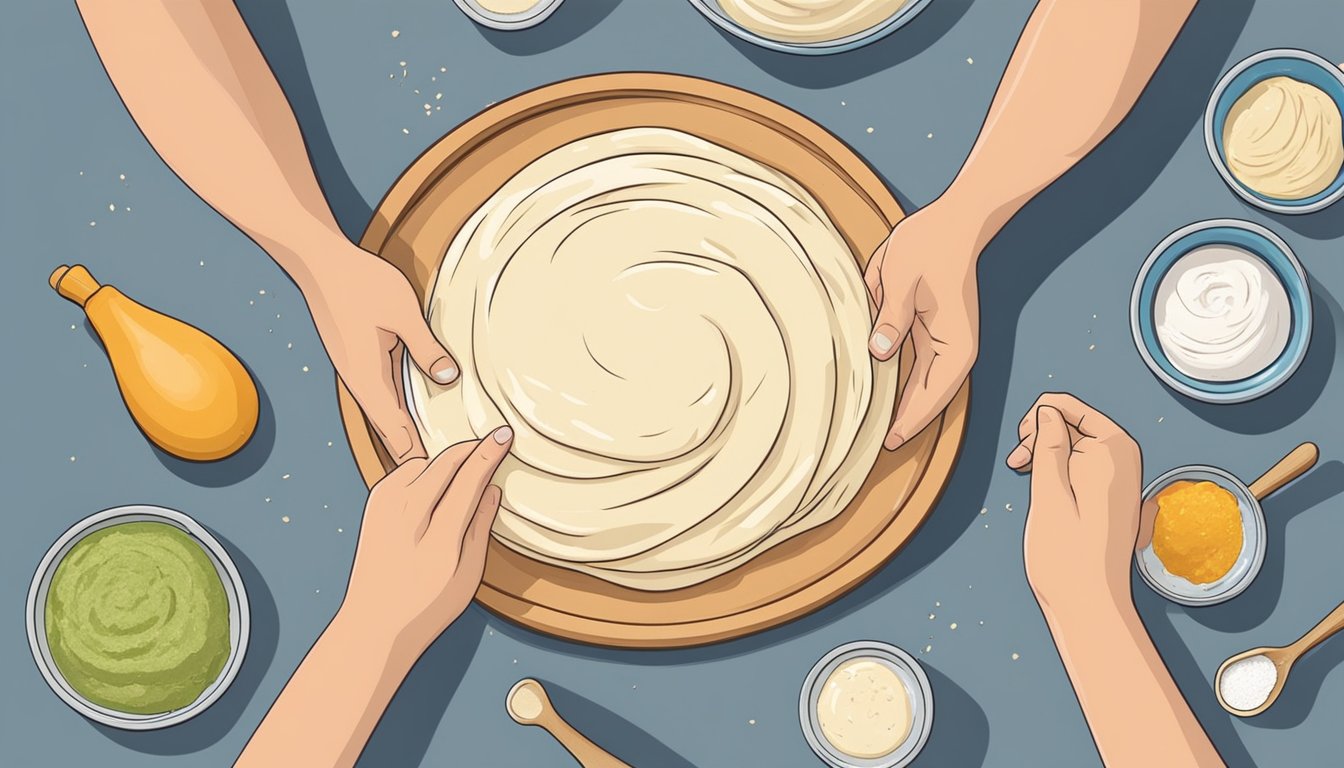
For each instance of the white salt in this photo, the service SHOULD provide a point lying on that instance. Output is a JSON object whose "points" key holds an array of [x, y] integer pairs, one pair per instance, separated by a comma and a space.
{"points": [[1246, 684]]}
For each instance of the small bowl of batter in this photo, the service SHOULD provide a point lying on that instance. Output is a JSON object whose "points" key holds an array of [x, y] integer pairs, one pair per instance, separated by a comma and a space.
{"points": [[1274, 131], [823, 26], [1221, 311], [866, 704], [508, 14]]}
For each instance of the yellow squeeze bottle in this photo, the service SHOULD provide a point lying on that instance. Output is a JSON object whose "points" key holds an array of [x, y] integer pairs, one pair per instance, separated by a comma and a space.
{"points": [[188, 393]]}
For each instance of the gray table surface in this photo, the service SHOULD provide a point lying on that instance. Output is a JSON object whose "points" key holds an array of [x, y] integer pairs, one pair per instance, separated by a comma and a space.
{"points": [[1055, 294]]}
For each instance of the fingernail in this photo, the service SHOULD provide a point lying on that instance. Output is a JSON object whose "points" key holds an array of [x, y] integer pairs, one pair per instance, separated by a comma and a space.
{"points": [[502, 435], [400, 442], [893, 442], [443, 371], [1018, 456], [883, 339], [1045, 414]]}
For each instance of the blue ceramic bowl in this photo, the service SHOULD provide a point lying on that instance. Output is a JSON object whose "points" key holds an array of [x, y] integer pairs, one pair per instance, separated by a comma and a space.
{"points": [[1289, 62], [714, 12], [1249, 237]]}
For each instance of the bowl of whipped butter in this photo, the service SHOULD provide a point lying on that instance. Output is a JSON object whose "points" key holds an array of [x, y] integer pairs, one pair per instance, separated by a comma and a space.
{"points": [[866, 704], [811, 28], [1275, 132], [1221, 311]]}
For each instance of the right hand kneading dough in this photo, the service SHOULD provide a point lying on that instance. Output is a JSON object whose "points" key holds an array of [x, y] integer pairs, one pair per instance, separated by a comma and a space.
{"points": [[678, 336]]}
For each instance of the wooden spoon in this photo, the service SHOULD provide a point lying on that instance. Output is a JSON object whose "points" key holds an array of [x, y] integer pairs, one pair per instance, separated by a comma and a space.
{"points": [[1298, 460], [528, 704], [1283, 659]]}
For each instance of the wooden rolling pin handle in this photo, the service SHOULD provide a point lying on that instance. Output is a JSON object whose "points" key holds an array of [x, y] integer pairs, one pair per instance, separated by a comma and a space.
{"points": [[74, 283], [1289, 468], [581, 747]]}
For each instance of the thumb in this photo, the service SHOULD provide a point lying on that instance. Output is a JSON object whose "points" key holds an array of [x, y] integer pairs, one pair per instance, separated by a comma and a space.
{"points": [[1050, 460], [892, 324], [429, 355]]}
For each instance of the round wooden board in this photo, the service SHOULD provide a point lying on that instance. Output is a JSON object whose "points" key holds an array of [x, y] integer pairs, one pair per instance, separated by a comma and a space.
{"points": [[425, 208]]}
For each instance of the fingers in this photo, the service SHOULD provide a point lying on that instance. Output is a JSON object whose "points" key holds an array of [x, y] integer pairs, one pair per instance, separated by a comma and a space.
{"points": [[477, 538], [1083, 421], [1050, 466], [940, 368], [380, 397], [426, 351], [463, 494]]}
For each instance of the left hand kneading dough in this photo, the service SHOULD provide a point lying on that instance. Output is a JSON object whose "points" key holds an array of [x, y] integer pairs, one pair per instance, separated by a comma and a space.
{"points": [[678, 336]]}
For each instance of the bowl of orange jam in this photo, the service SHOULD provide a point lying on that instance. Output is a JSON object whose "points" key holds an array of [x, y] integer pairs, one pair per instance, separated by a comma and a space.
{"points": [[1208, 536]]}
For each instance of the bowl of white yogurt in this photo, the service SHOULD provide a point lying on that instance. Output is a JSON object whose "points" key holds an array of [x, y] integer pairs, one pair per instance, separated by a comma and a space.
{"points": [[816, 28], [1221, 311], [1274, 129]]}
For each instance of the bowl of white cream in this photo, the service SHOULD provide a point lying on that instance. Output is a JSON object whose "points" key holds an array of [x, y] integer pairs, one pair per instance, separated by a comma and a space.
{"points": [[1274, 129], [811, 28], [866, 704], [1221, 311]]}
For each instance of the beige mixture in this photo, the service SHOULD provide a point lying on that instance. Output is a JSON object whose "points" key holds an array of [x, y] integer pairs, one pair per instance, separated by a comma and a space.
{"points": [[864, 709], [507, 6], [809, 21], [1283, 139], [678, 337]]}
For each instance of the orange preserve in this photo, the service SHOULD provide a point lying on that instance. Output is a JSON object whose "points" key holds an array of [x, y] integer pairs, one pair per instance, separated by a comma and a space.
{"points": [[1197, 533]]}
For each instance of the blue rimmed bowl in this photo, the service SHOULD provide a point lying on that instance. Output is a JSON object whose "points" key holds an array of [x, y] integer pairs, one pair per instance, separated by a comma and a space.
{"points": [[1303, 66], [899, 18], [1255, 240]]}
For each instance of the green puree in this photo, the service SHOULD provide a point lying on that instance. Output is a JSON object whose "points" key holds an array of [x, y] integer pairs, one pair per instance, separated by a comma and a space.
{"points": [[137, 619]]}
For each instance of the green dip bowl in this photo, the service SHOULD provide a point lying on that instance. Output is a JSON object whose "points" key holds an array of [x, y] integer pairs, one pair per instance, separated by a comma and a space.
{"points": [[170, 582]]}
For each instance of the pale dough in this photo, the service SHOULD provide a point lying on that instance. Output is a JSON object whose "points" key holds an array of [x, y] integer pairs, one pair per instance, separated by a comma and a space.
{"points": [[678, 336], [864, 709], [1283, 139], [809, 21]]}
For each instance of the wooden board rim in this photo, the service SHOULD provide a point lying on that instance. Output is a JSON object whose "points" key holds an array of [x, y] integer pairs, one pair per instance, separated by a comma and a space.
{"points": [[439, 159]]}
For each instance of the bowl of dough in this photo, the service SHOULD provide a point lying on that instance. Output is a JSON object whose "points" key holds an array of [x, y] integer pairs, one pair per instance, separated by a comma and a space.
{"points": [[1273, 131], [812, 28]]}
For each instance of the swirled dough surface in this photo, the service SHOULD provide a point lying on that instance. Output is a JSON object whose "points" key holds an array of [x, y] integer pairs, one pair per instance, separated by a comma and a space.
{"points": [[1283, 139], [678, 336], [809, 21]]}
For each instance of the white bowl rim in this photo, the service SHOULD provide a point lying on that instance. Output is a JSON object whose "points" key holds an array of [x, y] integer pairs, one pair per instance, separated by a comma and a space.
{"points": [[130, 721], [1257, 558], [508, 21], [887, 652], [1211, 142]]}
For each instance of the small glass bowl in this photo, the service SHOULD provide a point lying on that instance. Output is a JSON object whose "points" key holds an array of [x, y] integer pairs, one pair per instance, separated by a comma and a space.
{"points": [[240, 621], [508, 21], [1242, 572], [912, 677]]}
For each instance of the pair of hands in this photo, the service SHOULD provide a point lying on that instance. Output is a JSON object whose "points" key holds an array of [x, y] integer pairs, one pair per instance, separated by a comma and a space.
{"points": [[922, 279]]}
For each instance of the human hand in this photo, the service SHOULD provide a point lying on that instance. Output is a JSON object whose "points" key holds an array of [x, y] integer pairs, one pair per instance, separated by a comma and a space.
{"points": [[923, 280], [422, 544], [365, 311], [1085, 501]]}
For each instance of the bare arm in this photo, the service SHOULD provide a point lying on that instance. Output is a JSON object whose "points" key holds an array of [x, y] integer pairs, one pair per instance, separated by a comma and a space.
{"points": [[199, 89], [1078, 68], [1081, 532]]}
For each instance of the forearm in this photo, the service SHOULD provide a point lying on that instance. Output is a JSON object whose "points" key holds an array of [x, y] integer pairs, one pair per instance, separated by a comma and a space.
{"points": [[199, 89], [332, 703], [1076, 71], [1134, 709]]}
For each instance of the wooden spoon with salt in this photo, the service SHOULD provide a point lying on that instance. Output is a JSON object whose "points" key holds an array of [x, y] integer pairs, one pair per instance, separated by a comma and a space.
{"points": [[528, 704], [1283, 659]]}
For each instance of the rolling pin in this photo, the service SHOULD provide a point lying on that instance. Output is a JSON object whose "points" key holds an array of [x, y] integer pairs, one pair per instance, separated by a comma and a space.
{"points": [[187, 392]]}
